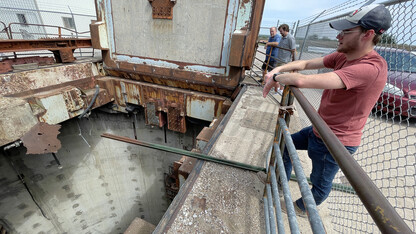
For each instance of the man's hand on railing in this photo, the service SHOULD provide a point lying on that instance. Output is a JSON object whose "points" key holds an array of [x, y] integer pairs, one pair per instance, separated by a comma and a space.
{"points": [[271, 81]]}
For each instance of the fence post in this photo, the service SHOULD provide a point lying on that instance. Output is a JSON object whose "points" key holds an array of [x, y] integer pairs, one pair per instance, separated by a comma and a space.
{"points": [[295, 28], [40, 19], [306, 35]]}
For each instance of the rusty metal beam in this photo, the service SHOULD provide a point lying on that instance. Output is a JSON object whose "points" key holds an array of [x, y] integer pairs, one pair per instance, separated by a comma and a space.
{"points": [[6, 65], [44, 44], [220, 85], [165, 104], [251, 40]]}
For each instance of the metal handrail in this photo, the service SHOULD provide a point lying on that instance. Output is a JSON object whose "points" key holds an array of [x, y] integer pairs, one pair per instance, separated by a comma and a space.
{"points": [[307, 197], [5, 29], [45, 25], [283, 138], [271, 193], [383, 214]]}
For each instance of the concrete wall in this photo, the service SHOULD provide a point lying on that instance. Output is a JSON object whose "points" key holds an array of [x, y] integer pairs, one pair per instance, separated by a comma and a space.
{"points": [[194, 35], [103, 185]]}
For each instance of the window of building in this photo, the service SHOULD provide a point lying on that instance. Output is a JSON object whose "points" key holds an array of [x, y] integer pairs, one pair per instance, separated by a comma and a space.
{"points": [[22, 18], [68, 22]]}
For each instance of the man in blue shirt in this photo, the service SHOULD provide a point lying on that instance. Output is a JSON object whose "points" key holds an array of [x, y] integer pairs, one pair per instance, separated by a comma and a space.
{"points": [[274, 40]]}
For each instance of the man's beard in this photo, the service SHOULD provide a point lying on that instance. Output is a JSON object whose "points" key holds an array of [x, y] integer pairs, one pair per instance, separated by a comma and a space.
{"points": [[348, 47]]}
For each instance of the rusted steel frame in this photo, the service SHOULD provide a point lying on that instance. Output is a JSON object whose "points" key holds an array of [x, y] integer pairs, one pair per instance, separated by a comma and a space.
{"points": [[382, 212], [43, 25], [221, 84], [182, 82], [254, 29], [145, 67], [7, 64], [170, 215], [85, 83], [43, 44]]}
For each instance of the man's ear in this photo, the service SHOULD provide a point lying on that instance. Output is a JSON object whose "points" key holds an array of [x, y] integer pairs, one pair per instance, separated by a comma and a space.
{"points": [[369, 34]]}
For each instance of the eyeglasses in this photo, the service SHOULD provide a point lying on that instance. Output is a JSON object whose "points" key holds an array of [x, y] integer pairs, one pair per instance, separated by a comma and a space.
{"points": [[342, 33]]}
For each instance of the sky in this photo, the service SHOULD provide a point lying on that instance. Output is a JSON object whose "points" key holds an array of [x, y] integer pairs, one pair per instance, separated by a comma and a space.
{"points": [[289, 12], [292, 11]]}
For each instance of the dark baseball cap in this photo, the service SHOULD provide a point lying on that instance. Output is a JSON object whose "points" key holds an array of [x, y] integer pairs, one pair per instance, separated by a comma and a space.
{"points": [[374, 16]]}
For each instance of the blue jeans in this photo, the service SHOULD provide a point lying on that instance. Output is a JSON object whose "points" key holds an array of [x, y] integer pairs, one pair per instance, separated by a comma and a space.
{"points": [[324, 167]]}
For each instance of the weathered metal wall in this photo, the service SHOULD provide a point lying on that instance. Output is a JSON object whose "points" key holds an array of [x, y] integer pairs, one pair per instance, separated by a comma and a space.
{"points": [[203, 46], [196, 27]]}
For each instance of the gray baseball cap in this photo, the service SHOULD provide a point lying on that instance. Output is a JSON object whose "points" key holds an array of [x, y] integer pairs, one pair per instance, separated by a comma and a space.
{"points": [[374, 16]]}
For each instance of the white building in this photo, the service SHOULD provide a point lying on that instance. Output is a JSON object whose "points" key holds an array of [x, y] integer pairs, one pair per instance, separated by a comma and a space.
{"points": [[73, 17]]}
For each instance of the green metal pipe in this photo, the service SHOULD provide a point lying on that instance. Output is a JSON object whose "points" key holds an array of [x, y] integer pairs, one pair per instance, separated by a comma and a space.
{"points": [[184, 152]]}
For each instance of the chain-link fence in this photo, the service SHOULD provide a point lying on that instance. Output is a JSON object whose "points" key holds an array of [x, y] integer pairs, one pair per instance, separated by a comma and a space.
{"points": [[387, 151], [31, 20]]}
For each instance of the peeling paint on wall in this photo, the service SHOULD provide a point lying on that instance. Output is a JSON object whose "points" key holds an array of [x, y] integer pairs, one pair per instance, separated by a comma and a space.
{"points": [[153, 62], [110, 26], [228, 31], [205, 69], [244, 14], [161, 63]]}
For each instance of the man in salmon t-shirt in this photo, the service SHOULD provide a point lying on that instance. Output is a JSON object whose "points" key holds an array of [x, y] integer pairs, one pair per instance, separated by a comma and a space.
{"points": [[350, 92]]}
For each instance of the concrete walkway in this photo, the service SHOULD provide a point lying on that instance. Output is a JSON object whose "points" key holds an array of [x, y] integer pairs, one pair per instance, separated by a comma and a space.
{"points": [[226, 199]]}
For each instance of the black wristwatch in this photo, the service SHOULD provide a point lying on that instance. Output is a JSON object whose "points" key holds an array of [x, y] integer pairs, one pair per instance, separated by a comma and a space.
{"points": [[274, 76]]}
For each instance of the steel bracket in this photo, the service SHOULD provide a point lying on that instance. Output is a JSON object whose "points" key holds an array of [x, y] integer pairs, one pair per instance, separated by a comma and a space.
{"points": [[286, 110]]}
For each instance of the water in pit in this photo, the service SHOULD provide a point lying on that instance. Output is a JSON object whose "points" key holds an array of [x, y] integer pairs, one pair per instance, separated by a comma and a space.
{"points": [[103, 184]]}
